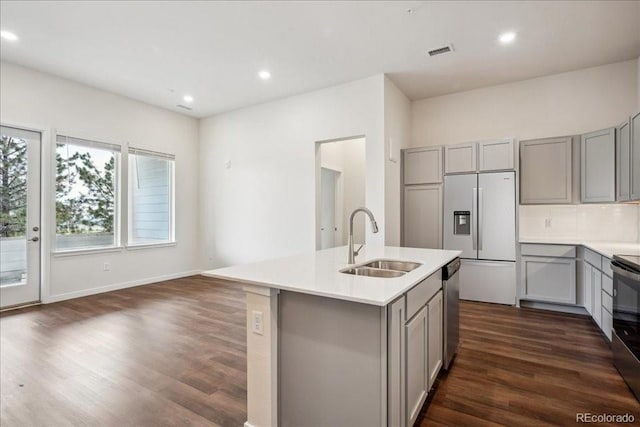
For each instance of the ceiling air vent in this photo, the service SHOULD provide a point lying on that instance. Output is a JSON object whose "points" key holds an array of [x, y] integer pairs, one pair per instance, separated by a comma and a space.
{"points": [[441, 50], [184, 107]]}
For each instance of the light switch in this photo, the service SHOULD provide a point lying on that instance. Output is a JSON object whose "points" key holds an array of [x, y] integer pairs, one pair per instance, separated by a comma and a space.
{"points": [[257, 326]]}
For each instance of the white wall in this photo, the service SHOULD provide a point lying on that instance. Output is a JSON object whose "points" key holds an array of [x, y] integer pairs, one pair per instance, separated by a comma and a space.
{"points": [[264, 205], [397, 130], [561, 104], [597, 222], [349, 158], [45, 102]]}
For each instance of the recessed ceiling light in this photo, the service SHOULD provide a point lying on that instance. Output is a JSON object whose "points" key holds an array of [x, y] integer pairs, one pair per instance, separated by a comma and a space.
{"points": [[8, 35], [508, 37], [188, 98], [264, 75]]}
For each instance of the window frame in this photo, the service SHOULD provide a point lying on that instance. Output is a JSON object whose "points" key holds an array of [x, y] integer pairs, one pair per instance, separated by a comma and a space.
{"points": [[84, 141], [129, 199]]}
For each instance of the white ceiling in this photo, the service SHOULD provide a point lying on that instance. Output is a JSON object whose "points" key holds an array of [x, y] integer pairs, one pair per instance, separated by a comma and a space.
{"points": [[157, 52]]}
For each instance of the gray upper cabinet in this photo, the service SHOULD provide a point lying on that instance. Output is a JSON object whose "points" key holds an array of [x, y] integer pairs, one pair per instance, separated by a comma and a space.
{"points": [[623, 163], [598, 166], [422, 216], [635, 157], [546, 171], [460, 158], [496, 155], [422, 165]]}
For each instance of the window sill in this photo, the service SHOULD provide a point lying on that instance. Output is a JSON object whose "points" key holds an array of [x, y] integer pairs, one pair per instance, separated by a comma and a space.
{"points": [[151, 246], [76, 252]]}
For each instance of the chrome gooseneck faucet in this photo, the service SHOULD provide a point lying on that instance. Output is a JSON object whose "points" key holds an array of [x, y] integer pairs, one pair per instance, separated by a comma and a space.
{"points": [[374, 227]]}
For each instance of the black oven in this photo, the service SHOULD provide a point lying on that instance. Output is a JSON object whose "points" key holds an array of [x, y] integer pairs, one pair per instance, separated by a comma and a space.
{"points": [[626, 319]]}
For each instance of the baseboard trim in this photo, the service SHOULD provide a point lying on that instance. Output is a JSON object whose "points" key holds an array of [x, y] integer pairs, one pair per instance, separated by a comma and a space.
{"points": [[117, 286], [554, 307], [248, 424]]}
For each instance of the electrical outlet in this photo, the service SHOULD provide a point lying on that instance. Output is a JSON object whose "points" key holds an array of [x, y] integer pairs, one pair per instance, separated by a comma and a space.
{"points": [[547, 223], [107, 266], [257, 326]]}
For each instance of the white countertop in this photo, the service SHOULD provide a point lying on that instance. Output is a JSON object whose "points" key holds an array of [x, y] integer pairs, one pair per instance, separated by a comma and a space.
{"points": [[317, 273], [607, 249]]}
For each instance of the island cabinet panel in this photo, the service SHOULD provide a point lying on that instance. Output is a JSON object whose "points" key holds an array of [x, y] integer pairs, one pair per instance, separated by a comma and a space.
{"points": [[417, 375], [435, 336], [396, 316], [332, 367]]}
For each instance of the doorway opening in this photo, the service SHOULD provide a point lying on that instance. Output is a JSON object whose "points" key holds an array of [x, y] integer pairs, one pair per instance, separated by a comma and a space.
{"points": [[340, 188]]}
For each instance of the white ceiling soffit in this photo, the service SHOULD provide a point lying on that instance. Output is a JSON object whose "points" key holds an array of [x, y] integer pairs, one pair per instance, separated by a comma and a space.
{"points": [[158, 52]]}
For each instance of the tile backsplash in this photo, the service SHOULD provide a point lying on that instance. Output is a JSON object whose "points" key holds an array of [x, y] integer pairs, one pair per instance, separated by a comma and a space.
{"points": [[619, 222]]}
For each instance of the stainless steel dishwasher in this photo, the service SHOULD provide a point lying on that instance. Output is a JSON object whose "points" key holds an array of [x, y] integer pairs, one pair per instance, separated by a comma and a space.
{"points": [[451, 291]]}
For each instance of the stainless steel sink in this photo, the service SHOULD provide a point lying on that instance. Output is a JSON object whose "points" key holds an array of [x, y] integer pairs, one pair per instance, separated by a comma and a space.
{"points": [[387, 264], [373, 272]]}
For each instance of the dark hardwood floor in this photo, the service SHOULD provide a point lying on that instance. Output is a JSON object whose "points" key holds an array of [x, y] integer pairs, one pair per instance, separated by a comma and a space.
{"points": [[174, 353]]}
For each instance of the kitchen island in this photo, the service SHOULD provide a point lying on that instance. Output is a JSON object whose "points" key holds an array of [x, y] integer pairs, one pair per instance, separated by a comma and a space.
{"points": [[329, 348]]}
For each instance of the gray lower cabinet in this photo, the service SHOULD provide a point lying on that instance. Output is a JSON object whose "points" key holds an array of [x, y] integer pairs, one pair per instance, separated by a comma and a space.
{"points": [[598, 166], [436, 339], [598, 290], [546, 171], [415, 350], [422, 216], [588, 280], [422, 165], [623, 162], [549, 279], [635, 157], [417, 376]]}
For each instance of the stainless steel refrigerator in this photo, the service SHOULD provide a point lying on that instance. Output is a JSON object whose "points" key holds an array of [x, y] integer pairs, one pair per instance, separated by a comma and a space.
{"points": [[480, 221]]}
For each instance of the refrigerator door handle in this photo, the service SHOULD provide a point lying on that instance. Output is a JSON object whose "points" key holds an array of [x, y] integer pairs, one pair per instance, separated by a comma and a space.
{"points": [[480, 218], [474, 203]]}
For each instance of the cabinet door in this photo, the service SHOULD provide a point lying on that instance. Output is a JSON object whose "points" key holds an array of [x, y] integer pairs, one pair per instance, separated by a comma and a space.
{"points": [[495, 155], [416, 375], [607, 323], [546, 171], [635, 157], [598, 166], [396, 362], [597, 296], [549, 279], [623, 161], [460, 158], [435, 341], [588, 287], [422, 217], [423, 165]]}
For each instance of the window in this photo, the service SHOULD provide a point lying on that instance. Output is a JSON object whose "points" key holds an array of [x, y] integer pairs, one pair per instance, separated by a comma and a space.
{"points": [[86, 194], [150, 197]]}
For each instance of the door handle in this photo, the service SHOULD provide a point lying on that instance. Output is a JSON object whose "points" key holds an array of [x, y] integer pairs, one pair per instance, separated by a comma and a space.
{"points": [[35, 239], [474, 201], [480, 218]]}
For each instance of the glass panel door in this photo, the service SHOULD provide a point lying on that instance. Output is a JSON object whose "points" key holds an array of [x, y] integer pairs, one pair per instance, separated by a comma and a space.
{"points": [[19, 216]]}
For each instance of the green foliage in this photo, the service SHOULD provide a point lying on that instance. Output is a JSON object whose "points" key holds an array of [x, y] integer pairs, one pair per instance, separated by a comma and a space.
{"points": [[93, 208], [88, 210], [13, 186]]}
